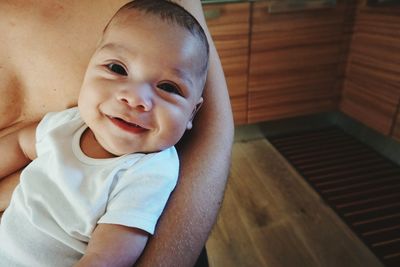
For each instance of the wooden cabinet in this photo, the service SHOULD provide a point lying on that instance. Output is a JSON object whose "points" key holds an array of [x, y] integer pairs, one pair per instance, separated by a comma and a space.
{"points": [[296, 60], [283, 65], [229, 27], [288, 64], [371, 91]]}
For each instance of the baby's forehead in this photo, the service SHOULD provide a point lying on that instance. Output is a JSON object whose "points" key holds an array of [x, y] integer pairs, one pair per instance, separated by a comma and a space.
{"points": [[129, 15], [152, 33], [135, 20], [132, 18]]}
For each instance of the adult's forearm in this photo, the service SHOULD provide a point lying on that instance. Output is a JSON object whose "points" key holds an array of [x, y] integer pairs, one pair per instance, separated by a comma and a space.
{"points": [[205, 159], [7, 186]]}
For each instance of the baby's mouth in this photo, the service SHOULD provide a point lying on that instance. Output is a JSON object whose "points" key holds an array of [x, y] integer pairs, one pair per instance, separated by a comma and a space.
{"points": [[128, 123], [127, 126]]}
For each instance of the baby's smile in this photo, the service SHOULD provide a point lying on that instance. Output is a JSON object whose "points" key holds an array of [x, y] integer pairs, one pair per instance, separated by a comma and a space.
{"points": [[127, 126]]}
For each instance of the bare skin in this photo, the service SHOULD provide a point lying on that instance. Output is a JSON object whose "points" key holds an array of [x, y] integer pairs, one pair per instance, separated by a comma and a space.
{"points": [[51, 66]]}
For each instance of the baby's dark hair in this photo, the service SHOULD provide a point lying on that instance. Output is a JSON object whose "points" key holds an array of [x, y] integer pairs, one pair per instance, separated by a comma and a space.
{"points": [[173, 13]]}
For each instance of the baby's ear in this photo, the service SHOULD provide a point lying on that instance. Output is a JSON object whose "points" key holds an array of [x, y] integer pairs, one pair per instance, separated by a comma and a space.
{"points": [[195, 110]]}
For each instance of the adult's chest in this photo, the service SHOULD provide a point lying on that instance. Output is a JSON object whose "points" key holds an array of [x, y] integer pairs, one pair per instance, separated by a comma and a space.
{"points": [[44, 49]]}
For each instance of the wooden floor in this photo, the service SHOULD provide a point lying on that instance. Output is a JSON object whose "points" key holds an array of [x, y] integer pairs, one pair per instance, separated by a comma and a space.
{"points": [[271, 217]]}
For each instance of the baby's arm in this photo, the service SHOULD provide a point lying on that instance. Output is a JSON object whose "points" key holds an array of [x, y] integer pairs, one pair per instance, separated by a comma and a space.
{"points": [[113, 245], [17, 149]]}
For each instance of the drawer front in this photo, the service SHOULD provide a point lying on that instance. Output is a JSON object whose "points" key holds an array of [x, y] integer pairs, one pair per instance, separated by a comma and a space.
{"points": [[295, 62]]}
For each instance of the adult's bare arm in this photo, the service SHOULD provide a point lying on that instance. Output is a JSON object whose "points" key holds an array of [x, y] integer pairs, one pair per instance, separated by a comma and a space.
{"points": [[7, 186], [205, 159]]}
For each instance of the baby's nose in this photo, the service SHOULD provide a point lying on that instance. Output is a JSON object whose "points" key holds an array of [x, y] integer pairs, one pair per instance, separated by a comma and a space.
{"points": [[138, 97]]}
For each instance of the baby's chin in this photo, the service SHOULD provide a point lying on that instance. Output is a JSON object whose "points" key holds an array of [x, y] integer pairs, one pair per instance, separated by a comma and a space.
{"points": [[120, 153]]}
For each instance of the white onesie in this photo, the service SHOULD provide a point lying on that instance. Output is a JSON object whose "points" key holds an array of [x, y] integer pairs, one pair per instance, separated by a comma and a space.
{"points": [[63, 194]]}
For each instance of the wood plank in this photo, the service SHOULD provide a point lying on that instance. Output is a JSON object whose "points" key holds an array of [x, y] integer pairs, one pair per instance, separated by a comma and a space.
{"points": [[239, 106], [288, 109], [372, 105], [229, 27], [371, 92], [297, 58], [278, 81], [271, 217]]}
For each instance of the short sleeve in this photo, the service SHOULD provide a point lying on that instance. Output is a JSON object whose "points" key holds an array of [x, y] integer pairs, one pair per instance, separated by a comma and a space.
{"points": [[53, 120], [141, 192]]}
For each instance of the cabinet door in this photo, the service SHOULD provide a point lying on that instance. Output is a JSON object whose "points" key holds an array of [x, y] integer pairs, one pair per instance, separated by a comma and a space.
{"points": [[372, 88], [295, 61], [229, 27]]}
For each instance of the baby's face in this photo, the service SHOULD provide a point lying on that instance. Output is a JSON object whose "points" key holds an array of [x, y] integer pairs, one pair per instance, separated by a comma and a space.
{"points": [[142, 85]]}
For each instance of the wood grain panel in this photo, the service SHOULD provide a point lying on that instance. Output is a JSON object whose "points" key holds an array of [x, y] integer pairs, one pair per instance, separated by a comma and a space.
{"points": [[372, 89], [229, 27], [239, 107], [296, 61]]}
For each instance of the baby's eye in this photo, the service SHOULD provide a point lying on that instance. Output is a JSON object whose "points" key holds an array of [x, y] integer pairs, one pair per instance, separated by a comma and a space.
{"points": [[117, 68], [170, 88]]}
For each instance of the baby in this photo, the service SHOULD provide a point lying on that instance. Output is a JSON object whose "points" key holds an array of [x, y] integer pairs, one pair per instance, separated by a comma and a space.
{"points": [[100, 174]]}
